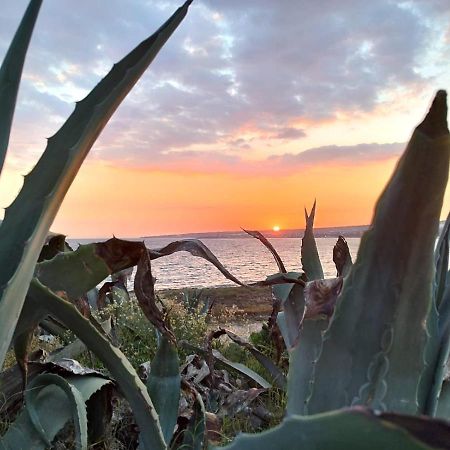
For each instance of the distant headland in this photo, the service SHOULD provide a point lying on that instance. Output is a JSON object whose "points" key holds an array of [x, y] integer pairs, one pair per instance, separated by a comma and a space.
{"points": [[347, 232]]}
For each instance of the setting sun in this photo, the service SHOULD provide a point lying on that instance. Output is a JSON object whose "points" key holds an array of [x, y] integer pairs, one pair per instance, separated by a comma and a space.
{"points": [[276, 228]]}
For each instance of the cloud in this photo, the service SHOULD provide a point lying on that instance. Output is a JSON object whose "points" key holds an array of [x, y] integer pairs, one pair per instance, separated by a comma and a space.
{"points": [[232, 65], [290, 133], [338, 155], [214, 162]]}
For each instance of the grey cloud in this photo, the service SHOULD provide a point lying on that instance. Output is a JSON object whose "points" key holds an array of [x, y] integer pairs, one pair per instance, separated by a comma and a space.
{"points": [[290, 133], [264, 63], [334, 154], [287, 164]]}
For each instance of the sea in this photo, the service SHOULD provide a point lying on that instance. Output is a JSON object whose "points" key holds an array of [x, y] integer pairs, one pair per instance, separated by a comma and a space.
{"points": [[245, 257]]}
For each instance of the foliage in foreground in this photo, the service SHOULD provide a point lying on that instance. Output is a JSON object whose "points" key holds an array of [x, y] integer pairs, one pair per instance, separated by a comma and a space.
{"points": [[379, 339]]}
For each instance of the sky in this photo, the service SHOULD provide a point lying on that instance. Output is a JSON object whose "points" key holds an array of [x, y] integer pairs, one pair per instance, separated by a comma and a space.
{"points": [[251, 111]]}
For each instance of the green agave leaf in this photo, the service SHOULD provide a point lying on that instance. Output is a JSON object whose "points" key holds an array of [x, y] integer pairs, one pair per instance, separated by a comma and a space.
{"points": [[348, 429], [258, 235], [443, 406], [310, 256], [439, 338], [81, 270], [28, 218], [275, 372], [369, 356], [302, 360], [281, 322], [441, 263], [115, 361], [248, 373], [54, 244], [11, 72], [194, 435], [163, 385], [242, 369], [292, 299], [51, 401], [76, 401]]}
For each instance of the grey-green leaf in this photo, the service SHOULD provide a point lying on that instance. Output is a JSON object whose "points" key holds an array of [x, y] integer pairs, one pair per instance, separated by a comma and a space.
{"points": [[292, 299], [132, 387], [163, 385], [311, 264], [348, 429], [53, 408], [302, 360], [441, 263], [242, 369], [194, 435], [11, 73], [29, 217], [368, 355]]}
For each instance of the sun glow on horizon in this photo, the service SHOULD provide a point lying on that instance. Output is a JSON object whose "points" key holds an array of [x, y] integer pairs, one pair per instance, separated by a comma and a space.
{"points": [[276, 228]]}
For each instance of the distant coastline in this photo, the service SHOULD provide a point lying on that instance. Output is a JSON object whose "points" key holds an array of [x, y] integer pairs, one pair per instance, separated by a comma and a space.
{"points": [[347, 231]]}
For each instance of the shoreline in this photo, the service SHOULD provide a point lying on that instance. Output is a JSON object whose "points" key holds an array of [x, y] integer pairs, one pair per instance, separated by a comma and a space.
{"points": [[253, 300]]}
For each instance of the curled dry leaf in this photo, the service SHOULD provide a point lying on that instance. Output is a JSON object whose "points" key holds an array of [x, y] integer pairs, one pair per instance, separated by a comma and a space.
{"points": [[258, 235], [195, 248], [144, 289], [321, 296], [341, 257]]}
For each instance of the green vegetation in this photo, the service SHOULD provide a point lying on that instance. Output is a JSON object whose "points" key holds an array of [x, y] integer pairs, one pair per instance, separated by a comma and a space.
{"points": [[368, 350]]}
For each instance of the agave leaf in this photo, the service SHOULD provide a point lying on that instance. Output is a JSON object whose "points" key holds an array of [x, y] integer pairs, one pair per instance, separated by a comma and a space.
{"points": [[28, 218], [145, 294], [281, 322], [441, 263], [79, 271], [320, 299], [277, 375], [163, 385], [195, 248], [443, 407], [54, 244], [438, 327], [115, 361], [292, 301], [242, 369], [302, 360], [76, 401], [65, 398], [348, 429], [435, 357], [11, 380], [258, 235], [248, 373], [369, 356], [310, 256], [194, 435], [11, 72], [341, 257]]}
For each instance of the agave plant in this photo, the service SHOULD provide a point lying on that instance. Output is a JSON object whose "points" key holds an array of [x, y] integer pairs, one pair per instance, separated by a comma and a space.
{"points": [[370, 370], [27, 221], [380, 342]]}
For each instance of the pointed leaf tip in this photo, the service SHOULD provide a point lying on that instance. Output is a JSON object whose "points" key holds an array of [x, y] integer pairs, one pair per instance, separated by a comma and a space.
{"points": [[435, 123]]}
